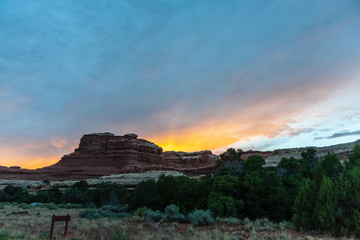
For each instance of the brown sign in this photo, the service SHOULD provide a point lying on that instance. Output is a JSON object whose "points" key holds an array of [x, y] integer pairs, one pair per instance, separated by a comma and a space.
{"points": [[54, 219]]}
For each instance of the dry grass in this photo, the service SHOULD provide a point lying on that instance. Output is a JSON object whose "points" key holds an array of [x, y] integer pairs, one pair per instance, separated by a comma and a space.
{"points": [[34, 223]]}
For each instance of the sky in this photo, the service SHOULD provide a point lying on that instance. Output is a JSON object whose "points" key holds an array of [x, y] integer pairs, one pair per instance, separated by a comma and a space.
{"points": [[188, 75]]}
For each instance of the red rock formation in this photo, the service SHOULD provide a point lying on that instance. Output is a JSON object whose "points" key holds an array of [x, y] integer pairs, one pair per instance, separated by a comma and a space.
{"points": [[192, 163], [102, 154], [120, 152]]}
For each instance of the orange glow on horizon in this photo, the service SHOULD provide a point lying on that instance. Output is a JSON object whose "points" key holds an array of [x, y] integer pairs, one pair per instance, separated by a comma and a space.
{"points": [[29, 162]]}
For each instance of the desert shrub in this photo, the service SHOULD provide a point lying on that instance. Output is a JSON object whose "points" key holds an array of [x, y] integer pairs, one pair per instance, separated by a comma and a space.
{"points": [[201, 218], [44, 235], [74, 205], [91, 205], [231, 220], [118, 235], [117, 211], [286, 224], [4, 236], [105, 211], [120, 215], [24, 206], [88, 213], [114, 208], [61, 205], [110, 214], [51, 206], [152, 216], [172, 214], [69, 205], [263, 224], [140, 211]]}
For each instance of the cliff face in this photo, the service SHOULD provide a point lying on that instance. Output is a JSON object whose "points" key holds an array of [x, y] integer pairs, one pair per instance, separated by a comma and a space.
{"points": [[120, 152], [101, 154]]}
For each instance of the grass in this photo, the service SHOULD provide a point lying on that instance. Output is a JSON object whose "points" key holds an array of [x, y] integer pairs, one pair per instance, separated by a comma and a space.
{"points": [[34, 223]]}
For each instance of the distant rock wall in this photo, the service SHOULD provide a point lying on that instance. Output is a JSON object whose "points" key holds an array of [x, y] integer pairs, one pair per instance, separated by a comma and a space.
{"points": [[105, 154], [272, 158]]}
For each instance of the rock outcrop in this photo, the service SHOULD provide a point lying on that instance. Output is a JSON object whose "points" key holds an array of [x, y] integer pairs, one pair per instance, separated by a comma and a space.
{"points": [[127, 153], [195, 163], [103, 154], [272, 158]]}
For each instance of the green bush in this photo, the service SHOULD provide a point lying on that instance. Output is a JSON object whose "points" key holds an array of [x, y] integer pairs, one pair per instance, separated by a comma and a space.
{"points": [[105, 211], [51, 206], [91, 205], [152, 216], [69, 205], [231, 220], [14, 194], [90, 214], [286, 224], [201, 218], [118, 235], [114, 208], [24, 206], [4, 236], [108, 213], [140, 211], [172, 214]]}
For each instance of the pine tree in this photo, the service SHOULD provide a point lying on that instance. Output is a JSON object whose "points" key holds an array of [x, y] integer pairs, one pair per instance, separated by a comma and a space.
{"points": [[326, 206], [305, 204]]}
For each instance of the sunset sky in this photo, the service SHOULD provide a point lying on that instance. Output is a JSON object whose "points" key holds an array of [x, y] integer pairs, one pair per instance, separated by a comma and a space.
{"points": [[188, 75]]}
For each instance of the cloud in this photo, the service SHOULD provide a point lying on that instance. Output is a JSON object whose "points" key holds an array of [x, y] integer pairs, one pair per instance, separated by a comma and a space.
{"points": [[186, 74], [340, 134]]}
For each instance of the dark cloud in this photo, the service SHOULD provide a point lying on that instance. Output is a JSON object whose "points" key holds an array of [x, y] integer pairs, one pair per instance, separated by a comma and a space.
{"points": [[340, 134]]}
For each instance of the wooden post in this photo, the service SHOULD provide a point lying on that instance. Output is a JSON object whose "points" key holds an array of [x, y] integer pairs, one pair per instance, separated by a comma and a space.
{"points": [[54, 219], [66, 224], [52, 226]]}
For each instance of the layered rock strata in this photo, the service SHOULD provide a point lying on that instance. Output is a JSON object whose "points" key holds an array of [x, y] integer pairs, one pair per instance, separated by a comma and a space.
{"points": [[102, 154], [127, 153]]}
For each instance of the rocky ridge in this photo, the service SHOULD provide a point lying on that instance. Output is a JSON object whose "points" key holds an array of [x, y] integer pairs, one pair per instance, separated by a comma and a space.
{"points": [[341, 150]]}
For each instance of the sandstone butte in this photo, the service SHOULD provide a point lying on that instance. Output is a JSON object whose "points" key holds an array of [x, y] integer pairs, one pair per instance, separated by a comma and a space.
{"points": [[104, 154]]}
